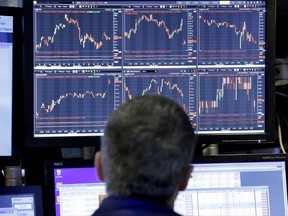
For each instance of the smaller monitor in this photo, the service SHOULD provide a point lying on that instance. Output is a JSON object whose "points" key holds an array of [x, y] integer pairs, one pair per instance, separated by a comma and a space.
{"points": [[244, 184], [73, 187], [231, 185], [21, 200]]}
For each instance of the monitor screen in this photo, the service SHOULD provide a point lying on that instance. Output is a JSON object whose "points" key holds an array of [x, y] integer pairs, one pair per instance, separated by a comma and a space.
{"points": [[10, 42], [219, 185], [73, 187], [236, 185], [21, 200], [215, 58]]}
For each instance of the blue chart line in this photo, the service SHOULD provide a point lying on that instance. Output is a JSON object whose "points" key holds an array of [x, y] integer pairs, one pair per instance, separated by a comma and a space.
{"points": [[75, 101], [228, 94], [234, 30], [159, 33], [174, 87], [74, 36]]}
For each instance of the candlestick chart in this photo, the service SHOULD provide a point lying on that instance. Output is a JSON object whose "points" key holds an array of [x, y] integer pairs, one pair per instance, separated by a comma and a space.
{"points": [[233, 36], [69, 102], [90, 57], [157, 36], [174, 86], [230, 100], [66, 38]]}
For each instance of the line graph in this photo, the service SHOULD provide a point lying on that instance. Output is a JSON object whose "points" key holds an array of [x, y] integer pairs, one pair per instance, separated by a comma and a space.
{"points": [[49, 108], [175, 87], [156, 36], [158, 23], [76, 36], [245, 38], [231, 36], [83, 38], [76, 101]]}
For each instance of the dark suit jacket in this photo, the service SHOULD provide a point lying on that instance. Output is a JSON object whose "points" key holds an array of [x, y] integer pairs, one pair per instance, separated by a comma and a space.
{"points": [[130, 206]]}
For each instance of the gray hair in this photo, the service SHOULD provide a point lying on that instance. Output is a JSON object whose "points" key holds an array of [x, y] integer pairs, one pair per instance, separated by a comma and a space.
{"points": [[147, 144]]}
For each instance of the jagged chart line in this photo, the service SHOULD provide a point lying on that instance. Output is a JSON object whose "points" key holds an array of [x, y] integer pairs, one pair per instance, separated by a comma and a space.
{"points": [[243, 33], [157, 22], [163, 83], [54, 103], [82, 38]]}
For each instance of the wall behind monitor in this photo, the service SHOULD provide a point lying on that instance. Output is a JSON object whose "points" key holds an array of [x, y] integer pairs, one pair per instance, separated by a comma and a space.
{"points": [[281, 39], [281, 76]]}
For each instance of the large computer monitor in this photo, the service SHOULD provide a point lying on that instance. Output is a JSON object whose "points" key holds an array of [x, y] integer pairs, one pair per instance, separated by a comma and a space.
{"points": [[10, 71], [85, 58]]}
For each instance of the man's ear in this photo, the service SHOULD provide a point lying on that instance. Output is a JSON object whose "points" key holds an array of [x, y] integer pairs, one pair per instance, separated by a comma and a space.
{"points": [[185, 179], [98, 165]]}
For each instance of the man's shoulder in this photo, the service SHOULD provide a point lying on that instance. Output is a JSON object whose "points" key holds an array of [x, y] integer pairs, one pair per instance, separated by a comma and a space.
{"points": [[134, 213], [123, 206]]}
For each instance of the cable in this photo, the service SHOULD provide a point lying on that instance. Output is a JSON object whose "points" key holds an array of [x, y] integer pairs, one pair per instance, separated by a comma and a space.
{"points": [[280, 135]]}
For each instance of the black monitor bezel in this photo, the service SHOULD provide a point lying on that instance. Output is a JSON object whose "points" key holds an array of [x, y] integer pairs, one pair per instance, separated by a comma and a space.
{"points": [[261, 139], [36, 190], [17, 79], [50, 166], [242, 157]]}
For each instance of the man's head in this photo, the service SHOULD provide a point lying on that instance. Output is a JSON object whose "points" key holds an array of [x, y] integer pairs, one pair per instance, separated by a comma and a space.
{"points": [[147, 145]]}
